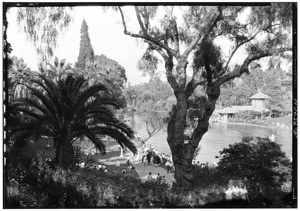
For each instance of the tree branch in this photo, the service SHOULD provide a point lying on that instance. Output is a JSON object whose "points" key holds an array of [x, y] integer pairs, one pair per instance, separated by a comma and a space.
{"points": [[158, 49], [238, 46], [208, 71], [147, 127], [146, 17], [145, 36], [175, 36], [209, 27], [247, 61], [168, 65], [137, 12], [170, 77]]}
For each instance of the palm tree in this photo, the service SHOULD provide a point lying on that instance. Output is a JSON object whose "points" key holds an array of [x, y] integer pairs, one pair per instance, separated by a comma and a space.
{"points": [[68, 109], [57, 69], [19, 74]]}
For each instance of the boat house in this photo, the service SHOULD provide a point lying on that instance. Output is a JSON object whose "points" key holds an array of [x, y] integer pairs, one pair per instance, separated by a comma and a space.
{"points": [[259, 101], [258, 104]]}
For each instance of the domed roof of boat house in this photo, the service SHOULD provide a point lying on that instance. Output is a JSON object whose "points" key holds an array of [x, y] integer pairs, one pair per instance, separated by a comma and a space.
{"points": [[260, 95], [258, 101]]}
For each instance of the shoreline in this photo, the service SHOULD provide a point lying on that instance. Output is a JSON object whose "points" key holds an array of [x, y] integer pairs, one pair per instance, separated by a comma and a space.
{"points": [[251, 124]]}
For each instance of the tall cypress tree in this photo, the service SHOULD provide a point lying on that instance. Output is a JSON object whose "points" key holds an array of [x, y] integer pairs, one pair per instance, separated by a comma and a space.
{"points": [[86, 51]]}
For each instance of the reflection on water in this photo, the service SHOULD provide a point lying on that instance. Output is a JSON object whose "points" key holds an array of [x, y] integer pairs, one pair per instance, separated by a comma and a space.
{"points": [[220, 135]]}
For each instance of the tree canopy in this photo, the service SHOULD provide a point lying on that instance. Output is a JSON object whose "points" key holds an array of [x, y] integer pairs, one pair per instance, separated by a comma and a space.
{"points": [[65, 110], [271, 82], [194, 32], [108, 72], [259, 160], [43, 25], [149, 101], [86, 51], [18, 74]]}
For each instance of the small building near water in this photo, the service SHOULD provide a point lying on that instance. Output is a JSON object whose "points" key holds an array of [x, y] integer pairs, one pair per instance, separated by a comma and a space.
{"points": [[258, 104], [259, 101], [225, 113]]}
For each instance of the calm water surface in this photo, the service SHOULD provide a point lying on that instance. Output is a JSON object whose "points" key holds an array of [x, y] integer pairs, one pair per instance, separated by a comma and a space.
{"points": [[219, 136]]}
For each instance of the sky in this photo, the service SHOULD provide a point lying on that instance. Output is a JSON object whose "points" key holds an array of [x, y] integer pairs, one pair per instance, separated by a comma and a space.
{"points": [[106, 34], [107, 37]]}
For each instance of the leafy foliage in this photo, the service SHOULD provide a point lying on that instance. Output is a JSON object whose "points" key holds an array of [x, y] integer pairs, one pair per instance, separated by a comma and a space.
{"points": [[65, 110], [108, 72], [272, 82], [43, 26], [86, 51], [45, 187], [148, 63], [18, 73], [57, 69], [259, 160], [275, 87], [149, 102], [100, 69], [248, 117]]}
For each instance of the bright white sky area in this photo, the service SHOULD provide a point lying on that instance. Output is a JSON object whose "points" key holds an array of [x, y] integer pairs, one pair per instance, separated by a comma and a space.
{"points": [[107, 37], [106, 34]]}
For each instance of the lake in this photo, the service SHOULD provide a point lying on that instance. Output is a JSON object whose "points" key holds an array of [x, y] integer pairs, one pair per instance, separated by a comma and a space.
{"points": [[219, 136]]}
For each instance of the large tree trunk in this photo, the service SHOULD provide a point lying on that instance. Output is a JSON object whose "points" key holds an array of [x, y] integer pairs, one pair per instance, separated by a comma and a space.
{"points": [[183, 150], [64, 156], [182, 153]]}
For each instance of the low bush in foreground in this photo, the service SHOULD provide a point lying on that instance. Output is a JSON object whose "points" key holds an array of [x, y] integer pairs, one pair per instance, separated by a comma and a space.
{"points": [[89, 189], [258, 162]]}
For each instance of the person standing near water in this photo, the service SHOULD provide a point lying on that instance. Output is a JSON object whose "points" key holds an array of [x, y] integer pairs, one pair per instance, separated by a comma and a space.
{"points": [[168, 166], [149, 177], [149, 157], [158, 178]]}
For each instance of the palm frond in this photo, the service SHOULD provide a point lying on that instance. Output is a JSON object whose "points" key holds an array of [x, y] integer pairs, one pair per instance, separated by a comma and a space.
{"points": [[88, 93], [120, 137], [95, 113], [51, 89], [67, 109], [98, 143], [124, 128], [79, 84], [31, 103], [30, 113], [44, 99]]}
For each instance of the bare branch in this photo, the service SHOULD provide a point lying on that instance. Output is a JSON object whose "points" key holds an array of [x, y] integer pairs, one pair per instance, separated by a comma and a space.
{"points": [[158, 49], [192, 85], [146, 36], [242, 7], [137, 12], [204, 33], [146, 17], [238, 46], [168, 65], [247, 61], [154, 130], [147, 127]]}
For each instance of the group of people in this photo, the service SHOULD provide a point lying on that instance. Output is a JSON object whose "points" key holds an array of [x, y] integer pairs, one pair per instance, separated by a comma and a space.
{"points": [[93, 166], [205, 166], [159, 178], [236, 190], [152, 156]]}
